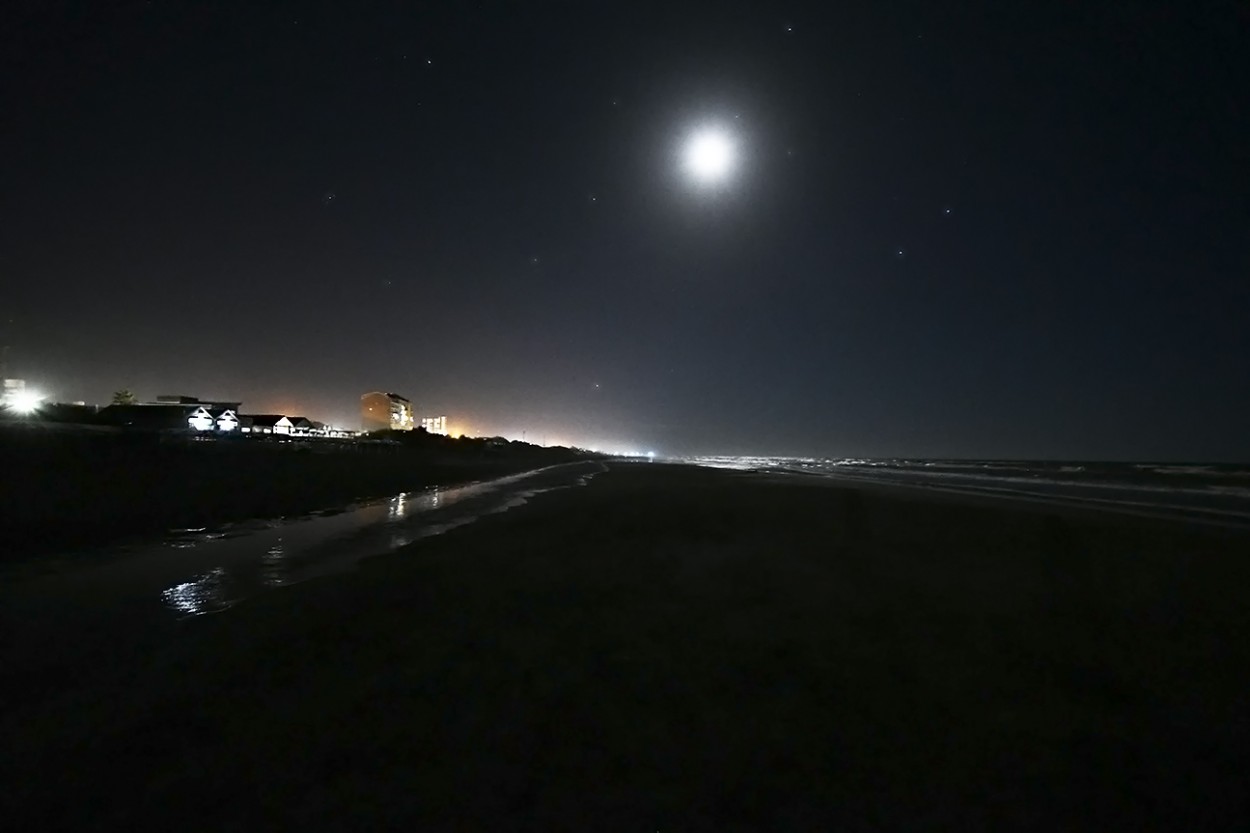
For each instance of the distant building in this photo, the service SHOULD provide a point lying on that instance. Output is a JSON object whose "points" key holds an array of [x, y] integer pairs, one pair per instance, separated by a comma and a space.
{"points": [[385, 411], [68, 412], [302, 426], [227, 421], [14, 390], [265, 424], [435, 425], [201, 419]]}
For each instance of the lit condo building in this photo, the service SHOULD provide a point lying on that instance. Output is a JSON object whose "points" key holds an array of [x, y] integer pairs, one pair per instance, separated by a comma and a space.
{"points": [[382, 411]]}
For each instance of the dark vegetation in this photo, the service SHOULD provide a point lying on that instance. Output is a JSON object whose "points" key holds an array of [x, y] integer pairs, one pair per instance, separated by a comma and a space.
{"points": [[69, 486]]}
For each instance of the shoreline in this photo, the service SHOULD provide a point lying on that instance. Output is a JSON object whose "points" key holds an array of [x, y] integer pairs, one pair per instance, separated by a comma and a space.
{"points": [[1077, 507]]}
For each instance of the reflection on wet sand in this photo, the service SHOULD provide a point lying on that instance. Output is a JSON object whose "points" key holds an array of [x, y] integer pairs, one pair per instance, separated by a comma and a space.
{"points": [[396, 507], [203, 594], [274, 565], [248, 560]]}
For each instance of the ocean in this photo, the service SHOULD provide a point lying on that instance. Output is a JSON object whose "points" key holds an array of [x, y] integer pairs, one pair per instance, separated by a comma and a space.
{"points": [[1210, 493]]}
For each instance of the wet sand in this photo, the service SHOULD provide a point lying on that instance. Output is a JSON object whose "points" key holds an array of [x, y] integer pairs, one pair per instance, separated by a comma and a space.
{"points": [[673, 648]]}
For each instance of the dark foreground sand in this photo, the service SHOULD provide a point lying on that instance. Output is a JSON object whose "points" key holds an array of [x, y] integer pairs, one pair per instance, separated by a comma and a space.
{"points": [[679, 649]]}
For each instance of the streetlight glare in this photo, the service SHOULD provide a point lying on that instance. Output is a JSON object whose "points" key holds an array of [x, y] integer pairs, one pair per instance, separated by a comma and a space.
{"points": [[24, 402]]}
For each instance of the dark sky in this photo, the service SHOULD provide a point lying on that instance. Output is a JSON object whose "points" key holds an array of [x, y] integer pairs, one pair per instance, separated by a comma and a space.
{"points": [[1002, 230]]}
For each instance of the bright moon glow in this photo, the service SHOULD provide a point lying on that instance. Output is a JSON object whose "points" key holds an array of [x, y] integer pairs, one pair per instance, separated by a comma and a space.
{"points": [[709, 155]]}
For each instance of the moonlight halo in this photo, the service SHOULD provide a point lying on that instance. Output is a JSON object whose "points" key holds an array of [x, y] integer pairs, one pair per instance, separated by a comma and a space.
{"points": [[709, 155]]}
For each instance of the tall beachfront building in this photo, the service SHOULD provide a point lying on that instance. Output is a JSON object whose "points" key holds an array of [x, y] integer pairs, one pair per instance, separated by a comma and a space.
{"points": [[381, 411]]}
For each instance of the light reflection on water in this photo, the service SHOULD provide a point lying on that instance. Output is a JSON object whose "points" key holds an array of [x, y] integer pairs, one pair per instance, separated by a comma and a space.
{"points": [[273, 566], [396, 508], [203, 594], [250, 558], [1215, 494]]}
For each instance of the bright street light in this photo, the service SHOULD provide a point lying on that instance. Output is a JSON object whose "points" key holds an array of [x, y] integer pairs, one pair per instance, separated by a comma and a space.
{"points": [[24, 402]]}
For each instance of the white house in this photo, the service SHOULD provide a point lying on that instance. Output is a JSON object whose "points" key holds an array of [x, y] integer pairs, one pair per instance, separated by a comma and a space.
{"points": [[266, 424], [201, 420]]}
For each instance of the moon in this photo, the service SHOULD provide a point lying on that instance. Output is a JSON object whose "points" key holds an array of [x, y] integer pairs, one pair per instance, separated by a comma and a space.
{"points": [[709, 155]]}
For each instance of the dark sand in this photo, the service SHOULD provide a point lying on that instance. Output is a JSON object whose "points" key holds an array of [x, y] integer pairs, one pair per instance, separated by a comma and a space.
{"points": [[680, 649]]}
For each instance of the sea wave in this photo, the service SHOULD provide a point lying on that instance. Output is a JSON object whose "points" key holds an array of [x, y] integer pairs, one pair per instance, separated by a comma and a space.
{"points": [[1210, 491]]}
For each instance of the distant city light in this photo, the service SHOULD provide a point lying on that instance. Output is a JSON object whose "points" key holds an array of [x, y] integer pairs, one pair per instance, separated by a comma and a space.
{"points": [[435, 425]]}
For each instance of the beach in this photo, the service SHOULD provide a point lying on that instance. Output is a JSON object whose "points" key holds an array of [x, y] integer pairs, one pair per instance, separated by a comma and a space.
{"points": [[677, 648]]}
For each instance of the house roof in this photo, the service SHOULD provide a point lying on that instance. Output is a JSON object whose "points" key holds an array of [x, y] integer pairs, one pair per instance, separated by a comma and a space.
{"points": [[184, 401]]}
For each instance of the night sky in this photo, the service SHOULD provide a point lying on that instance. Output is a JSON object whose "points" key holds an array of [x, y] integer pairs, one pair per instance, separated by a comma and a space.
{"points": [[1003, 230]]}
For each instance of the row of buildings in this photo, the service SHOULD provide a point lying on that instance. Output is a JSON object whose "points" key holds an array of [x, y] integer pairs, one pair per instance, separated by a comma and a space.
{"points": [[169, 413], [379, 411]]}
